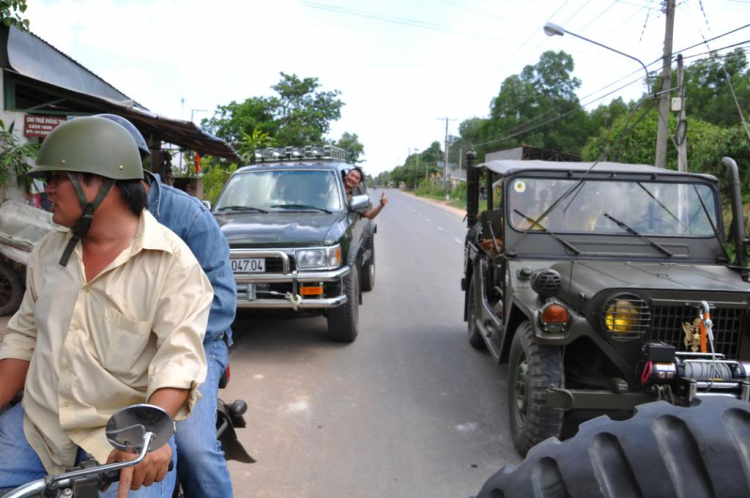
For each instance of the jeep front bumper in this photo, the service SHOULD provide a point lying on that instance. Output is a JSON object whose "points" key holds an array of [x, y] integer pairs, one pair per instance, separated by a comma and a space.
{"points": [[254, 289]]}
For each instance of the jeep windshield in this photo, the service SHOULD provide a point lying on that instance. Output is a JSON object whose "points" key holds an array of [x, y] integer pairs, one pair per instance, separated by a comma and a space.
{"points": [[596, 206], [281, 191]]}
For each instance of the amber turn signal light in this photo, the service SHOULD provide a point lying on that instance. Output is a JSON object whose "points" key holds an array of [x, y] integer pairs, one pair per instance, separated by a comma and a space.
{"points": [[311, 291]]}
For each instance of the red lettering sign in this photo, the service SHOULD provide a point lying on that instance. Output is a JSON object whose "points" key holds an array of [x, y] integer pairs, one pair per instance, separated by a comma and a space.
{"points": [[41, 126]]}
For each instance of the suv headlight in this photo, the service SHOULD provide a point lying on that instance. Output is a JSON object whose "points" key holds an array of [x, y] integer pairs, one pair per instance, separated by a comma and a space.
{"points": [[626, 316], [325, 257]]}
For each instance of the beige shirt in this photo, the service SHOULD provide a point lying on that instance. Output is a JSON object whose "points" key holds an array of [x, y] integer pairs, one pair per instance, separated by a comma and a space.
{"points": [[96, 347]]}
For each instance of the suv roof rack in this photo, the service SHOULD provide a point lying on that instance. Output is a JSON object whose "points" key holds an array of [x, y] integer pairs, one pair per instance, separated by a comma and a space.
{"points": [[299, 153]]}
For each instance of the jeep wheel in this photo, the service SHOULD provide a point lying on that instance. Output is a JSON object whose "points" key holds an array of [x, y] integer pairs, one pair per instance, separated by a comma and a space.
{"points": [[343, 322], [11, 290], [532, 369], [663, 450], [475, 336], [368, 272]]}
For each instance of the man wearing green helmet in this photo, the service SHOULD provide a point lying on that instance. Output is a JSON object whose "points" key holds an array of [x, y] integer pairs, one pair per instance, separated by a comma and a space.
{"points": [[114, 314]]}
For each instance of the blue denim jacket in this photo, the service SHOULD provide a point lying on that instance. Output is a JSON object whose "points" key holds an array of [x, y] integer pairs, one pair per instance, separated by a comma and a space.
{"points": [[196, 226]]}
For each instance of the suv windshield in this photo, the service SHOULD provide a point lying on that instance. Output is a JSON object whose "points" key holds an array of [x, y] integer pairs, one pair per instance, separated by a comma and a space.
{"points": [[650, 208], [282, 191]]}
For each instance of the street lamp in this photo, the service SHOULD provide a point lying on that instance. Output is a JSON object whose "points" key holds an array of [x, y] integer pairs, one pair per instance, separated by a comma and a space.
{"points": [[551, 29]]}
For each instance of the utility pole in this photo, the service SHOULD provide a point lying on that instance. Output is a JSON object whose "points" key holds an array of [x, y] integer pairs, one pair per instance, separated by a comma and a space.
{"points": [[460, 156], [445, 162], [682, 164], [666, 81]]}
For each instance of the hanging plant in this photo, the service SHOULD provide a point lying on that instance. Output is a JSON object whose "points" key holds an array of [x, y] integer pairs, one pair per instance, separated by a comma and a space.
{"points": [[14, 158]]}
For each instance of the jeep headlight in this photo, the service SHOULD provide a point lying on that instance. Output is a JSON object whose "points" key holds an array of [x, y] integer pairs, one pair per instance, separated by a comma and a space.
{"points": [[324, 257], [626, 316]]}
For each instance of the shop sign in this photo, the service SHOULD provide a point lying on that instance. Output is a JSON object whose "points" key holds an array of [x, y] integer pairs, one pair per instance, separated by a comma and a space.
{"points": [[35, 125]]}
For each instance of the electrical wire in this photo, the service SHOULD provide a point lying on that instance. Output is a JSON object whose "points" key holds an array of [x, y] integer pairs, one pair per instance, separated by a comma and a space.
{"points": [[514, 131], [726, 73], [402, 21]]}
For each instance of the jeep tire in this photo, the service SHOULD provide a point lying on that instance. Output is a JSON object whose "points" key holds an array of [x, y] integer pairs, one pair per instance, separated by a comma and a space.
{"points": [[368, 270], [532, 370], [475, 335], [663, 450], [11, 290], [343, 322]]}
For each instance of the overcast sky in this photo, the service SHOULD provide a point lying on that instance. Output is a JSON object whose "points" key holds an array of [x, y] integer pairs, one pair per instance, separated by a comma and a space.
{"points": [[400, 64]]}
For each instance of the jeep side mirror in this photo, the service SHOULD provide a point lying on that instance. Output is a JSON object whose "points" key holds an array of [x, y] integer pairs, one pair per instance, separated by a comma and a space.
{"points": [[127, 428], [360, 203]]}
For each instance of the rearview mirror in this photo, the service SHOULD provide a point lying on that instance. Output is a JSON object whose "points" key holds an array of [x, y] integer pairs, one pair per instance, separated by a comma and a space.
{"points": [[360, 203], [127, 428]]}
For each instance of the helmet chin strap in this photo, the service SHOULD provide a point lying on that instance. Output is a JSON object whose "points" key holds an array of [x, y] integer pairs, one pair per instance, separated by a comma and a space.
{"points": [[84, 223]]}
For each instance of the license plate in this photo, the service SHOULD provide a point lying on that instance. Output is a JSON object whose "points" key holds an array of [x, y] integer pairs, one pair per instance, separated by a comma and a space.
{"points": [[248, 265]]}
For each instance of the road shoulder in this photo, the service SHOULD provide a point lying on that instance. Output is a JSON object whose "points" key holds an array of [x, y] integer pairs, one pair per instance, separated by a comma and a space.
{"points": [[441, 204]]}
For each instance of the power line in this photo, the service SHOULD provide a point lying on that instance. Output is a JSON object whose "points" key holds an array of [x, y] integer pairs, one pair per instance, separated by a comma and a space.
{"points": [[402, 21], [565, 114], [514, 54], [726, 74]]}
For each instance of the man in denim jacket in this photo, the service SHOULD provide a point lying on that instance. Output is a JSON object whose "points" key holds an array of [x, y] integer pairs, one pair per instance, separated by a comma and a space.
{"points": [[202, 469]]}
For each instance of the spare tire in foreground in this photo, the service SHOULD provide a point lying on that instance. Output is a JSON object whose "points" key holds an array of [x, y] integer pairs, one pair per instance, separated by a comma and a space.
{"points": [[663, 450]]}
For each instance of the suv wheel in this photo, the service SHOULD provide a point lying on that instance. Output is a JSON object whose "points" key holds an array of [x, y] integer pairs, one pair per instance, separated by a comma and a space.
{"points": [[475, 336], [368, 271], [532, 369], [343, 322], [11, 290]]}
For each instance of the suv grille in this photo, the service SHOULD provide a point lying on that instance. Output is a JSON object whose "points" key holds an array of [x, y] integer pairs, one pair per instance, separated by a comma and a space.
{"points": [[274, 265], [667, 320]]}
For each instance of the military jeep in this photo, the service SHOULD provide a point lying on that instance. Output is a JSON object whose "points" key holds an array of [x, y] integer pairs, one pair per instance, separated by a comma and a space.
{"points": [[604, 286], [298, 243]]}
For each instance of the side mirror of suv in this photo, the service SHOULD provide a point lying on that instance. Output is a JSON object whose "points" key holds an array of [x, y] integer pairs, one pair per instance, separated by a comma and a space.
{"points": [[360, 203]]}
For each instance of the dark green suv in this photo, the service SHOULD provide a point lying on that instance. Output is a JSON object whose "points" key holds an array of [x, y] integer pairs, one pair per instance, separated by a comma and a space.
{"points": [[298, 242], [604, 286]]}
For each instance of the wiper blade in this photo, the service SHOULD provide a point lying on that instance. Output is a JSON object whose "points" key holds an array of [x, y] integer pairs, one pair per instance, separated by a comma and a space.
{"points": [[301, 206], [242, 208], [554, 235], [632, 231]]}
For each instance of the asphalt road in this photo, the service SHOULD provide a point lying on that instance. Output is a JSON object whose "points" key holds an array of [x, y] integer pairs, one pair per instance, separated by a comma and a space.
{"points": [[408, 409]]}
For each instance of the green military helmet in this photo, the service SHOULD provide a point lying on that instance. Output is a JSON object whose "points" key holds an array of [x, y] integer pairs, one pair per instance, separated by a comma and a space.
{"points": [[90, 145]]}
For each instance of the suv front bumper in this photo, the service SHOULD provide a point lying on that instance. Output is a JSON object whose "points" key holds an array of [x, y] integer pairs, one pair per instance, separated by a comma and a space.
{"points": [[247, 283]]}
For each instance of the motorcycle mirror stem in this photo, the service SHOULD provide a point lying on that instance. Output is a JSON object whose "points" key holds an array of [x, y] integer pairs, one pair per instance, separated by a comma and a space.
{"points": [[64, 480]]}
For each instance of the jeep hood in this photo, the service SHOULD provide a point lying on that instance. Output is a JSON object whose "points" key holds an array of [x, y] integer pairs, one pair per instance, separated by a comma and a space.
{"points": [[287, 229], [590, 277]]}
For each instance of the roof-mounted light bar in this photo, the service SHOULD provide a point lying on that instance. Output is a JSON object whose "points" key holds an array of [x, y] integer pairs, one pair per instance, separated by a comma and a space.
{"points": [[300, 153]]}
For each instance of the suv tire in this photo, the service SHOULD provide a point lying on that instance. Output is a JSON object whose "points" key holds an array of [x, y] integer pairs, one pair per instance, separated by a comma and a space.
{"points": [[11, 290], [368, 270], [531, 370], [343, 322], [475, 336], [663, 450]]}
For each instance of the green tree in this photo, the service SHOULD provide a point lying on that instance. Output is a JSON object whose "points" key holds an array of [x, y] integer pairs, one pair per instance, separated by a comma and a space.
{"points": [[353, 147], [299, 114], [11, 12], [528, 102], [15, 157], [707, 91], [250, 142], [302, 113], [229, 122]]}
